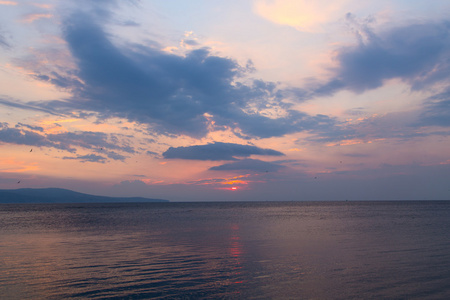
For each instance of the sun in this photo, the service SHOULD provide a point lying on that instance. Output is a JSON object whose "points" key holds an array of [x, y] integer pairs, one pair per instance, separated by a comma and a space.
{"points": [[234, 188]]}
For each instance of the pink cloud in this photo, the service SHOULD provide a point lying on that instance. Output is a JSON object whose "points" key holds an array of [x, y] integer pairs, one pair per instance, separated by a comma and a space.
{"points": [[8, 3], [30, 18]]}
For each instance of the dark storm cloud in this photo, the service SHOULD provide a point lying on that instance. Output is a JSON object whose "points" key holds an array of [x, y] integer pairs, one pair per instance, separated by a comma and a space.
{"points": [[417, 53], [254, 165], [171, 93], [217, 151]]}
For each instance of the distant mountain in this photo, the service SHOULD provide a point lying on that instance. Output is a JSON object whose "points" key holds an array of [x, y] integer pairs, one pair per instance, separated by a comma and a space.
{"points": [[55, 195]]}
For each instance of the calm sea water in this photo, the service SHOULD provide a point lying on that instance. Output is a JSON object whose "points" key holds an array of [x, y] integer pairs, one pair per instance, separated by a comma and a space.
{"points": [[288, 250]]}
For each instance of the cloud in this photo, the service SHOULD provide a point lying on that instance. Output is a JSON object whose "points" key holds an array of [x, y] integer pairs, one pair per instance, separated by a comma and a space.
{"points": [[130, 23], [25, 137], [30, 18], [303, 15], [3, 42], [4, 2], [189, 94], [88, 158], [115, 156], [89, 140], [372, 128], [254, 165], [209, 181], [149, 86], [35, 128], [191, 42], [436, 111], [217, 151], [152, 153], [199, 92], [65, 82], [416, 53], [68, 141], [363, 155], [132, 183], [28, 106], [293, 121]]}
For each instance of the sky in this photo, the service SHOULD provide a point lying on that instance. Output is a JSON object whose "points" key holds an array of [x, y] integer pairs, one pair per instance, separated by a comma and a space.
{"points": [[249, 100]]}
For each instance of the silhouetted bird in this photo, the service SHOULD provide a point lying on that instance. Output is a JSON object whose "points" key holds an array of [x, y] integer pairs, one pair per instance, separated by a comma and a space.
{"points": [[31, 150], [18, 181]]}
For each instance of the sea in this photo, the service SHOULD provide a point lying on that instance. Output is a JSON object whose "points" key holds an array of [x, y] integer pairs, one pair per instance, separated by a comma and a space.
{"points": [[226, 250]]}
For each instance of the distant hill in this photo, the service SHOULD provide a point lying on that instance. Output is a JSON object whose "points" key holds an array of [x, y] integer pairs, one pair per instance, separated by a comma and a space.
{"points": [[55, 195]]}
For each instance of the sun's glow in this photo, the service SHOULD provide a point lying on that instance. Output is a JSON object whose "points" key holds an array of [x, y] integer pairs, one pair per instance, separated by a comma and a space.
{"points": [[235, 182], [232, 188]]}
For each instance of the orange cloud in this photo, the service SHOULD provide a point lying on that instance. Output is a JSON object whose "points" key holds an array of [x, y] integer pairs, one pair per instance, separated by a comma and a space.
{"points": [[233, 182], [53, 126], [218, 182], [10, 165], [60, 121]]}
